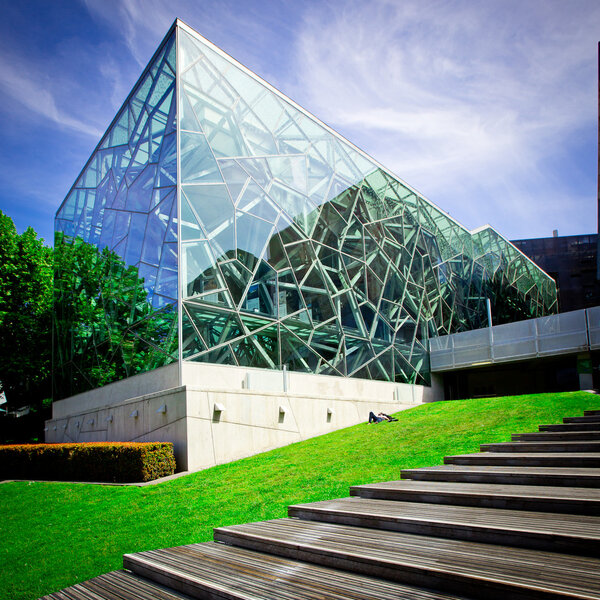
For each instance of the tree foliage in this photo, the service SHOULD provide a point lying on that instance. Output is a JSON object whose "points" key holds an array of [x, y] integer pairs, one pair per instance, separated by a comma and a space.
{"points": [[25, 315], [105, 328]]}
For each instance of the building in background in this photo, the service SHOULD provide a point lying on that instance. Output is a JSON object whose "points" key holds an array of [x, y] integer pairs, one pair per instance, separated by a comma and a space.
{"points": [[220, 235], [571, 261]]}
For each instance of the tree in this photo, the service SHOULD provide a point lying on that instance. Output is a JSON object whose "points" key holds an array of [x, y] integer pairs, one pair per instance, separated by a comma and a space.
{"points": [[105, 328], [25, 315]]}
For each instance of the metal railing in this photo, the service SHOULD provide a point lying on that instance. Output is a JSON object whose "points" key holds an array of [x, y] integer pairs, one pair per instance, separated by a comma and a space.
{"points": [[566, 333]]}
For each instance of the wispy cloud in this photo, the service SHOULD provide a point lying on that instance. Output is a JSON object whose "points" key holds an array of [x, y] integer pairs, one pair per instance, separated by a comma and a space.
{"points": [[140, 23], [260, 32], [469, 102], [489, 108], [31, 90]]}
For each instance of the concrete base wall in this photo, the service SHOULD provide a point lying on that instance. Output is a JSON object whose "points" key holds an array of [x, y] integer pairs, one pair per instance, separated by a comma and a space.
{"points": [[222, 413]]}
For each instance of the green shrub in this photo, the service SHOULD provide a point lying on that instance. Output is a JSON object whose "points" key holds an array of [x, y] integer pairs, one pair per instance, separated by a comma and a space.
{"points": [[118, 462]]}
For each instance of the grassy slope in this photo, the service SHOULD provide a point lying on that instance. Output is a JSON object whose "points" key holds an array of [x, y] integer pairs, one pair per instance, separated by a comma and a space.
{"points": [[55, 534]]}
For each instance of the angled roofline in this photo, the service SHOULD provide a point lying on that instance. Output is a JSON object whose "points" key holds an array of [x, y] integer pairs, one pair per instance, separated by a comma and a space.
{"points": [[307, 113], [117, 114], [178, 23], [483, 228]]}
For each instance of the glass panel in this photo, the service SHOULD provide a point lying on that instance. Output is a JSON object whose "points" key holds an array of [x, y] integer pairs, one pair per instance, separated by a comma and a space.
{"points": [[253, 234], [198, 164], [214, 211]]}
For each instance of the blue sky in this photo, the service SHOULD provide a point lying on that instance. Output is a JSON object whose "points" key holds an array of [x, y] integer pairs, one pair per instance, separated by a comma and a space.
{"points": [[488, 108]]}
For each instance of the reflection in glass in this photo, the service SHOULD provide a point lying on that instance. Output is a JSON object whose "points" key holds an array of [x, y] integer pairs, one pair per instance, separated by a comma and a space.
{"points": [[283, 243], [116, 245], [358, 270]]}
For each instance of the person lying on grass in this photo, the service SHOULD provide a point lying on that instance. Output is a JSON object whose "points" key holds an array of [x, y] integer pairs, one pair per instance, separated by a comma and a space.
{"points": [[380, 417]]}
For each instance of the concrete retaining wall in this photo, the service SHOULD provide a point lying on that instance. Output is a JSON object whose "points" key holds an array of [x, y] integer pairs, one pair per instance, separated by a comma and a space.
{"points": [[222, 413]]}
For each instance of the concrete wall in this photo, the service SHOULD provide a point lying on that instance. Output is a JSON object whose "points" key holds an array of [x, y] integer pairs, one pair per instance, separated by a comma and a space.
{"points": [[222, 413], [159, 379], [139, 419]]}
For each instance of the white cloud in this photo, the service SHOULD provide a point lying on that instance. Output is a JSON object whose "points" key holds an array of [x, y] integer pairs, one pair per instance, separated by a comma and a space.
{"points": [[31, 90], [477, 104], [469, 102], [141, 23]]}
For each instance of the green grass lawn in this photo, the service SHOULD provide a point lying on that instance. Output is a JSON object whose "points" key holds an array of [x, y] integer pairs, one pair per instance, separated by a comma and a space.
{"points": [[55, 534]]}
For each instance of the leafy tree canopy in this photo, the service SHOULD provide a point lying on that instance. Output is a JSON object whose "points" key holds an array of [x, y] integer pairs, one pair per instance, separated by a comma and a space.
{"points": [[105, 329], [26, 266]]}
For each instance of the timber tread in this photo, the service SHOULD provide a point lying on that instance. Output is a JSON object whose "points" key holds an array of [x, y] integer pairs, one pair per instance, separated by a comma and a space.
{"points": [[558, 446], [213, 570], [557, 436], [577, 534], [484, 570], [553, 476], [591, 413], [530, 459], [571, 427], [117, 585], [585, 419], [489, 495]]}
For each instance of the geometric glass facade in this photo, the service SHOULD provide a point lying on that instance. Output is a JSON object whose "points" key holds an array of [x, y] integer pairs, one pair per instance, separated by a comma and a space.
{"points": [[227, 225]]}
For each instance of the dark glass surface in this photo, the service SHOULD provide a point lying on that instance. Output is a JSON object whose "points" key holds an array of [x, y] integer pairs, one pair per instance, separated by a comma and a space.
{"points": [[572, 262]]}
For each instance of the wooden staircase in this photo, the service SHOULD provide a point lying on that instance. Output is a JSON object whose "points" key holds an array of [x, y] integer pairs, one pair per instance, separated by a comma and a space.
{"points": [[519, 520]]}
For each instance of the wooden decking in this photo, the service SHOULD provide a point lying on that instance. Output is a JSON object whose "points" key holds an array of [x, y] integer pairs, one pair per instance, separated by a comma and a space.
{"points": [[588, 446], [576, 534], [517, 521], [551, 476], [220, 571], [420, 560]]}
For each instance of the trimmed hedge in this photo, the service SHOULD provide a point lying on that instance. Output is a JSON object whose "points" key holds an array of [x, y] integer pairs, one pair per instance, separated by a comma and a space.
{"points": [[114, 462]]}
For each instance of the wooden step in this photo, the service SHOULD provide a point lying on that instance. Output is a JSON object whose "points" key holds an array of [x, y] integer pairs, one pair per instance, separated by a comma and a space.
{"points": [[557, 436], [552, 476], [118, 585], [574, 534], [218, 571], [586, 419], [581, 446], [571, 427], [583, 501], [591, 413], [478, 570], [528, 459]]}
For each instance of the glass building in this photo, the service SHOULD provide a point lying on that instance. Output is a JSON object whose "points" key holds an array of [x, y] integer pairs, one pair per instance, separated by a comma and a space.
{"points": [[217, 221]]}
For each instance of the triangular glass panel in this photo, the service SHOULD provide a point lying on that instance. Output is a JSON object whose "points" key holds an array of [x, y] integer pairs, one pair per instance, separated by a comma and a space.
{"points": [[237, 279], [259, 350], [256, 202], [215, 326], [139, 195], [291, 171], [258, 139], [218, 356], [253, 234], [187, 118], [191, 341], [235, 177], [215, 212], [190, 228], [198, 164], [258, 169], [199, 264], [167, 168]]}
